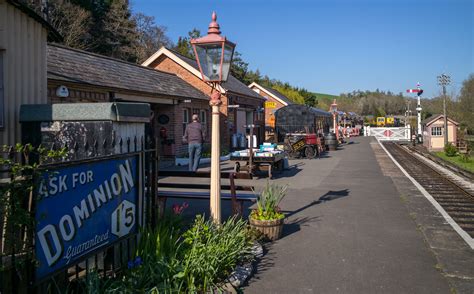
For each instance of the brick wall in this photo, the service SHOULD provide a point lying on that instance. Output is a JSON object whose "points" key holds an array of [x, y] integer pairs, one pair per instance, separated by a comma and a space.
{"points": [[175, 126], [167, 65]]}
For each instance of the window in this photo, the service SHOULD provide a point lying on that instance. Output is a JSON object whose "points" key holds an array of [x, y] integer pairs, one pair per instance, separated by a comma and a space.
{"points": [[436, 131], [203, 116], [185, 118], [260, 113], [249, 117], [2, 94]]}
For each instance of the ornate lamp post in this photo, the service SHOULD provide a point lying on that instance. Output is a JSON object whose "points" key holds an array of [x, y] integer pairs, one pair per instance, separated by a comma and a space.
{"points": [[443, 81], [214, 54], [333, 110]]}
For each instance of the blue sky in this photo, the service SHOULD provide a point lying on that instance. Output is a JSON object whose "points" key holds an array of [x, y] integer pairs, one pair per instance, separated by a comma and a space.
{"points": [[338, 46]]}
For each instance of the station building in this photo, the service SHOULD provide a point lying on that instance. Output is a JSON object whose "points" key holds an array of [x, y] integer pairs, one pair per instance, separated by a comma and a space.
{"points": [[170, 82], [79, 76], [23, 41], [433, 132], [274, 100], [240, 105]]}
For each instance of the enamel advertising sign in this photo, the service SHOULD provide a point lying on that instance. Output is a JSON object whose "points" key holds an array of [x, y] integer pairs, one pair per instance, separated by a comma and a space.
{"points": [[82, 208]]}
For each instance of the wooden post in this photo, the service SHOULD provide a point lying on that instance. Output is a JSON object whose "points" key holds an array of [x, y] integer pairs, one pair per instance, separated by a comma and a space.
{"points": [[215, 207]]}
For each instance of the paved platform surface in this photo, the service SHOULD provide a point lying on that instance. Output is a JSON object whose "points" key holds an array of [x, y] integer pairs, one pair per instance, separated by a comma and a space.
{"points": [[349, 230]]}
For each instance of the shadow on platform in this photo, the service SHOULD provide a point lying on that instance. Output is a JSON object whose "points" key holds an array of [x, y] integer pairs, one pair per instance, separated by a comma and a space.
{"points": [[329, 196]]}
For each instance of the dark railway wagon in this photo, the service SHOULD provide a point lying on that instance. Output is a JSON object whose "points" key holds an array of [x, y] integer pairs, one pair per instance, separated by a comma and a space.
{"points": [[296, 118]]}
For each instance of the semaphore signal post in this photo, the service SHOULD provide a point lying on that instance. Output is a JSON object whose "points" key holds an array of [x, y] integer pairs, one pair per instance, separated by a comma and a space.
{"points": [[418, 92]]}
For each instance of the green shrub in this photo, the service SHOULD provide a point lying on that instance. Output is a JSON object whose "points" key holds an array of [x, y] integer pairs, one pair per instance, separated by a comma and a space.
{"points": [[167, 261], [212, 251], [155, 262], [465, 157], [450, 150], [268, 201]]}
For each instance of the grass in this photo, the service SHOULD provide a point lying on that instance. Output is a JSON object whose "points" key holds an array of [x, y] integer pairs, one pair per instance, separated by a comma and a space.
{"points": [[458, 161]]}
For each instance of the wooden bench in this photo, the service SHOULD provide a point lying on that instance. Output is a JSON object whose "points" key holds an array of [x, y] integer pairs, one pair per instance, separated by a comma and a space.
{"points": [[180, 186]]}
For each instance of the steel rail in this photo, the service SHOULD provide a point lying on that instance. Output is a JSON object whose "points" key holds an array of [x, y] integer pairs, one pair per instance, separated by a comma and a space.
{"points": [[455, 200]]}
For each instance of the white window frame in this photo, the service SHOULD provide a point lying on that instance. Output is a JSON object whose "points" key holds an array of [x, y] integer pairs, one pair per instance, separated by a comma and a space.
{"points": [[436, 131]]}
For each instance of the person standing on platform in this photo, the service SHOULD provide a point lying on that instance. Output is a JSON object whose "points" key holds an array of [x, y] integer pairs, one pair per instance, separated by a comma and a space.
{"points": [[194, 136]]}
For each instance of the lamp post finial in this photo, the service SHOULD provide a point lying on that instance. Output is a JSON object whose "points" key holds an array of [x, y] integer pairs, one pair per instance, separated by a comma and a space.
{"points": [[214, 26]]}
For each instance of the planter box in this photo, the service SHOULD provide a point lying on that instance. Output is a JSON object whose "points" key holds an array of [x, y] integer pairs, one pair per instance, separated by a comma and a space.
{"points": [[272, 229], [179, 161]]}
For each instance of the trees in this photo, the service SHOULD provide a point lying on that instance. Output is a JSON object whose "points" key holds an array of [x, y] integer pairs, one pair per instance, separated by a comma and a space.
{"points": [[117, 34], [105, 27], [72, 22], [150, 36], [466, 103], [240, 68], [184, 46]]}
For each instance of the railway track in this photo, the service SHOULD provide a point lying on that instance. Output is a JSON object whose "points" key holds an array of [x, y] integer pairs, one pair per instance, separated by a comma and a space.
{"points": [[455, 200]]}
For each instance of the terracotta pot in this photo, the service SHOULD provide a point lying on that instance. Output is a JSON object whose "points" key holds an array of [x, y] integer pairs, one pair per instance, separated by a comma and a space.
{"points": [[272, 229]]}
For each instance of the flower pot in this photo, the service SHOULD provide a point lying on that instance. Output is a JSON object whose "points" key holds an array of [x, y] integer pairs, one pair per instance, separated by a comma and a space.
{"points": [[272, 229]]}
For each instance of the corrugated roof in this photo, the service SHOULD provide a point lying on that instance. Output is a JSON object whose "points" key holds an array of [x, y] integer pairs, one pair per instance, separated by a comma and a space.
{"points": [[232, 84], [320, 111], [279, 95], [77, 66]]}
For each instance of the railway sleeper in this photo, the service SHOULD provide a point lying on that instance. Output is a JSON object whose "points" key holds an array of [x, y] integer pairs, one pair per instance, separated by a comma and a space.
{"points": [[462, 214], [459, 208]]}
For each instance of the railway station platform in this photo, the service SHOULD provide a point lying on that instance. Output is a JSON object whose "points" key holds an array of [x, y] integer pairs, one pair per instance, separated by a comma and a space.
{"points": [[356, 224]]}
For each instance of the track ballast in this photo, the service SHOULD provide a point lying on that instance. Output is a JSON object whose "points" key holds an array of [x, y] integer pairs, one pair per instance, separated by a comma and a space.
{"points": [[455, 200]]}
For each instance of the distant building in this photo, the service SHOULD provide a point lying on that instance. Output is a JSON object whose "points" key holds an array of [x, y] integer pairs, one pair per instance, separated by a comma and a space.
{"points": [[433, 132], [274, 100], [23, 39]]}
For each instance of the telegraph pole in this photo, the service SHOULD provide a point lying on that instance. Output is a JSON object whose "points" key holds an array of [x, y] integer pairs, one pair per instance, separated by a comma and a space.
{"points": [[444, 80]]}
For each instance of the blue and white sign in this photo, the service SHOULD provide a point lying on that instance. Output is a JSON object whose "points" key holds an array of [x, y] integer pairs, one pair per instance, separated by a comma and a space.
{"points": [[84, 207]]}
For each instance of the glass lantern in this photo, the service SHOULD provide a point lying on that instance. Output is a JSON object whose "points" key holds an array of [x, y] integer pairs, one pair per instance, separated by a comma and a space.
{"points": [[213, 54]]}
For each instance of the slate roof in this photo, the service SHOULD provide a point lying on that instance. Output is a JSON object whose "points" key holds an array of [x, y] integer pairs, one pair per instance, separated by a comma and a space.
{"points": [[232, 84], [279, 95], [77, 66]]}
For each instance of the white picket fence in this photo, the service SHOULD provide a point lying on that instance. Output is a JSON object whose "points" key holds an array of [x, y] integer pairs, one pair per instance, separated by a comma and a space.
{"points": [[389, 134]]}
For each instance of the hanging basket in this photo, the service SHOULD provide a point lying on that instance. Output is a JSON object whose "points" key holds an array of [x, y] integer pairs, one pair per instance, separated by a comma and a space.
{"points": [[272, 229]]}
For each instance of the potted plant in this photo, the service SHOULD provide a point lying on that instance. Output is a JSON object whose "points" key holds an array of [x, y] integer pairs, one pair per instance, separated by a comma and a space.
{"points": [[267, 217]]}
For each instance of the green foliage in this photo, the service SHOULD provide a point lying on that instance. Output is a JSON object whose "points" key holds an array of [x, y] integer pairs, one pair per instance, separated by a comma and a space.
{"points": [[465, 157], [450, 150], [466, 104], [467, 163], [268, 201], [18, 191], [240, 68], [290, 92], [168, 261], [161, 242], [184, 46], [212, 251]]}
